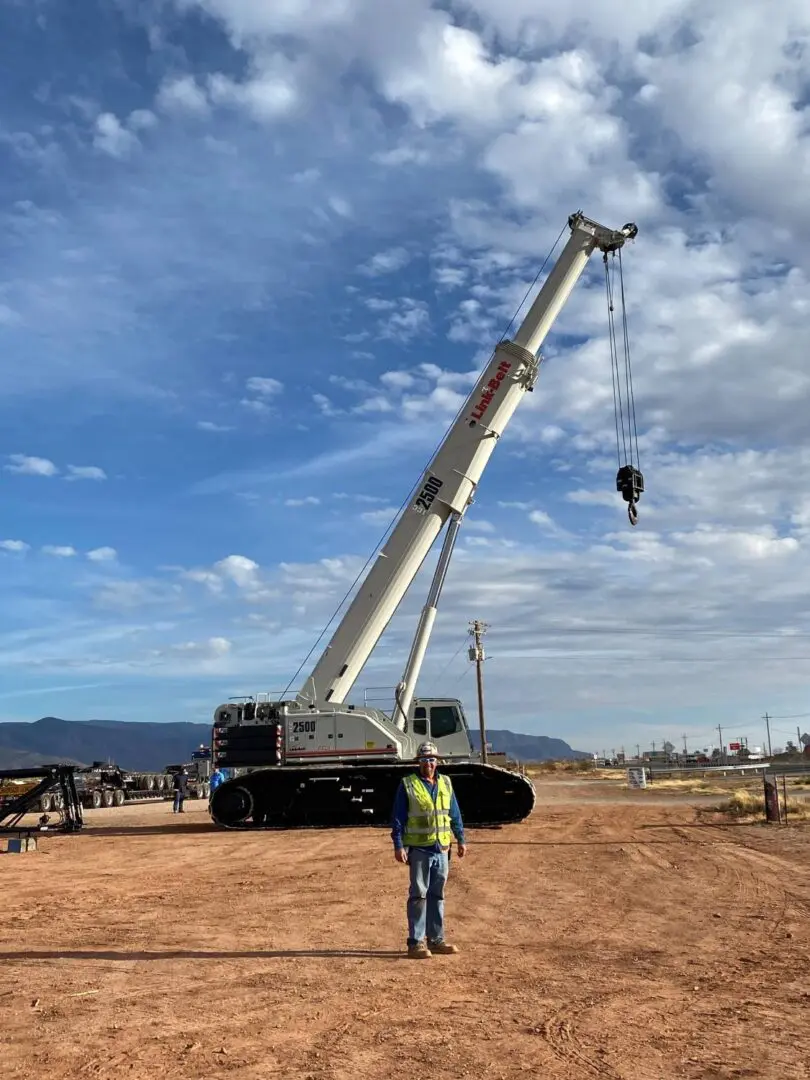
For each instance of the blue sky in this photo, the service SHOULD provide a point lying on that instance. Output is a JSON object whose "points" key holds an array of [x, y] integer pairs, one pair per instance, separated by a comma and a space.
{"points": [[253, 256]]}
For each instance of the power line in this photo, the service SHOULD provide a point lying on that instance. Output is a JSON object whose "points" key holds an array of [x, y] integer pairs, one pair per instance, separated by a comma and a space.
{"points": [[678, 632], [615, 655]]}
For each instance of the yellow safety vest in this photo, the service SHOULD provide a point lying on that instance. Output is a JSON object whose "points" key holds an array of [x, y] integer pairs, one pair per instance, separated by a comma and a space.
{"points": [[428, 822]]}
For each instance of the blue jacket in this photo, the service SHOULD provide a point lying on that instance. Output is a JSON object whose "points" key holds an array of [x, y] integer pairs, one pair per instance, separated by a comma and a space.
{"points": [[399, 817]]}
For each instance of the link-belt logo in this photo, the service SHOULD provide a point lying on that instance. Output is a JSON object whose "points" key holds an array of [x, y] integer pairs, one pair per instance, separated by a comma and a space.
{"points": [[490, 390]]}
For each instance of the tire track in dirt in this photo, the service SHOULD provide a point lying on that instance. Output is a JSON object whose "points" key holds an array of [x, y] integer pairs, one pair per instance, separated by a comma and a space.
{"points": [[758, 897], [771, 864], [560, 1032]]}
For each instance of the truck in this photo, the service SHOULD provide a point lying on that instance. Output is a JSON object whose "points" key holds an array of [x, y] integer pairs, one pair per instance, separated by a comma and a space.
{"points": [[198, 770], [104, 784], [314, 760]]}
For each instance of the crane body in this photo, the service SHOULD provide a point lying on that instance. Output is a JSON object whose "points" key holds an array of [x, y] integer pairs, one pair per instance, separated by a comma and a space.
{"points": [[315, 760]]}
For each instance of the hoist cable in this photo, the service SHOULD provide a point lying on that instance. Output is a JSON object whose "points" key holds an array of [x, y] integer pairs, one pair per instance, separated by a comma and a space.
{"points": [[628, 366], [536, 279], [618, 409], [629, 480]]}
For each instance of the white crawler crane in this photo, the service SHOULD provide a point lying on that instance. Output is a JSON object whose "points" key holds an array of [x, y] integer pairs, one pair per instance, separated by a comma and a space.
{"points": [[313, 760]]}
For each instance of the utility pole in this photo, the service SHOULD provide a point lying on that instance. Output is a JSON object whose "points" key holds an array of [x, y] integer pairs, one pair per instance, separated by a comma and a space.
{"points": [[685, 751], [720, 737], [767, 720], [477, 631], [638, 751], [799, 746]]}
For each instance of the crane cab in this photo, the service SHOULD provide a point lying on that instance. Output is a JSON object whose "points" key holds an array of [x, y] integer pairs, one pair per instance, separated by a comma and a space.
{"points": [[442, 721]]}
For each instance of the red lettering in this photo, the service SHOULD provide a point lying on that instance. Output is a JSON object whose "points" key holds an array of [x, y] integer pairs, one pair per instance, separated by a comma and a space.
{"points": [[489, 389]]}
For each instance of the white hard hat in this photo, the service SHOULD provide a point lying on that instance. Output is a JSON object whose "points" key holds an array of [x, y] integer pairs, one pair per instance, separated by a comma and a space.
{"points": [[427, 749]]}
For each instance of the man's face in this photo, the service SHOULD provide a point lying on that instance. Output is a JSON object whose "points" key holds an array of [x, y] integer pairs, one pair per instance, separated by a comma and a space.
{"points": [[427, 767]]}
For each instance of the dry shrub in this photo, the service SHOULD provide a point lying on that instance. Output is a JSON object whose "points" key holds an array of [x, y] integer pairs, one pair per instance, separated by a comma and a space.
{"points": [[747, 804], [687, 786], [545, 768]]}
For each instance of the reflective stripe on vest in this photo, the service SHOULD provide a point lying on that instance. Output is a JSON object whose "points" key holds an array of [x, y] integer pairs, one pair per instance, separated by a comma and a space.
{"points": [[428, 823]]}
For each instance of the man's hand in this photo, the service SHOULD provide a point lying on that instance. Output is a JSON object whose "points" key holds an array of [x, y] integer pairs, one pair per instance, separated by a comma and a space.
{"points": [[462, 850], [401, 855]]}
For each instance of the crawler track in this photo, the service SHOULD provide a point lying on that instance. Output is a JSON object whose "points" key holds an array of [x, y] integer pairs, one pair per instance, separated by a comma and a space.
{"points": [[291, 797]]}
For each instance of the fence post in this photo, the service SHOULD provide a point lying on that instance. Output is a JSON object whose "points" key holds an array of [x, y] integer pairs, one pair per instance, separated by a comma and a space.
{"points": [[772, 809]]}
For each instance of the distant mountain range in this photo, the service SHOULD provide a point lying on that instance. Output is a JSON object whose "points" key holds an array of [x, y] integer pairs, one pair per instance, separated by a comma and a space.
{"points": [[528, 747], [149, 747]]}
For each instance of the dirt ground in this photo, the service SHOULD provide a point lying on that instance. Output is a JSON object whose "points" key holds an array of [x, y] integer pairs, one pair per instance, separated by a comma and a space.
{"points": [[608, 936]]}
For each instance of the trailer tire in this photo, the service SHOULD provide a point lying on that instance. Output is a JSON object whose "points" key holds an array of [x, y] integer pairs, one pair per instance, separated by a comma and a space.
{"points": [[107, 797], [118, 797], [96, 801], [46, 804]]}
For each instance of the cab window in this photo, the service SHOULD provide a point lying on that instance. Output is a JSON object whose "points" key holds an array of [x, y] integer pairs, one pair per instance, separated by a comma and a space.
{"points": [[420, 720], [443, 721]]}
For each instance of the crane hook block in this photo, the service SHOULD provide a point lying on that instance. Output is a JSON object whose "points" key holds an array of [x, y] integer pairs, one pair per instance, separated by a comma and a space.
{"points": [[630, 483]]}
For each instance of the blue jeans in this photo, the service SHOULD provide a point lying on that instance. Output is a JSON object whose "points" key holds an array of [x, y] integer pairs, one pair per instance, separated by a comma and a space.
{"points": [[426, 895], [178, 802]]}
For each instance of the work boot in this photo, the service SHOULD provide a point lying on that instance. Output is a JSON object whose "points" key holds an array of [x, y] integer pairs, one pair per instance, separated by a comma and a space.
{"points": [[419, 951], [442, 947]]}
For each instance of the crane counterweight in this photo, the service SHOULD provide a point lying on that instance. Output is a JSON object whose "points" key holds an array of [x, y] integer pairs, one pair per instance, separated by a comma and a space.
{"points": [[314, 760]]}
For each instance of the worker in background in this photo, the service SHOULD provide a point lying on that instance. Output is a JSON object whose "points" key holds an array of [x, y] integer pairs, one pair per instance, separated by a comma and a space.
{"points": [[180, 785], [425, 819], [217, 778]]}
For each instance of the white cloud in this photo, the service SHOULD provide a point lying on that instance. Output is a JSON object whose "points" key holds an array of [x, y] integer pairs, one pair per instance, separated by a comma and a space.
{"points": [[307, 500], [112, 137], [264, 386], [182, 94], [141, 119], [478, 525], [383, 516], [209, 425], [238, 569], [408, 319], [14, 545], [85, 472], [397, 380], [342, 207], [213, 647], [255, 405], [61, 551], [267, 96], [30, 466], [102, 554], [386, 262]]}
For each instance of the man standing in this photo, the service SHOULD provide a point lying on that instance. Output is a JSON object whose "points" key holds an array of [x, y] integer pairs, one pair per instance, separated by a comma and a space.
{"points": [[180, 785], [425, 819], [217, 778]]}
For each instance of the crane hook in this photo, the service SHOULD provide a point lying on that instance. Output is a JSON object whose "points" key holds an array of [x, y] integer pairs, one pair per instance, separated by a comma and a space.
{"points": [[630, 482]]}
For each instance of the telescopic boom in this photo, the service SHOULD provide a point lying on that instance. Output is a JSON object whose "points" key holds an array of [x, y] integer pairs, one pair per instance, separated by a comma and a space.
{"points": [[449, 482]]}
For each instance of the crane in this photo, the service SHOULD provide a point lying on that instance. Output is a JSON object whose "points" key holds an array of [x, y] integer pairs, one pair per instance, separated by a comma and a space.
{"points": [[314, 760]]}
